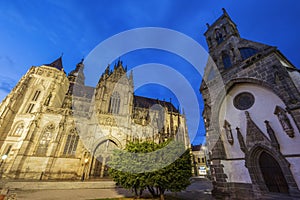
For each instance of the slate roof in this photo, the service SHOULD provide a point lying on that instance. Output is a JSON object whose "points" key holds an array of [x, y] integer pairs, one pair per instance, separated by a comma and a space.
{"points": [[56, 64], [145, 102]]}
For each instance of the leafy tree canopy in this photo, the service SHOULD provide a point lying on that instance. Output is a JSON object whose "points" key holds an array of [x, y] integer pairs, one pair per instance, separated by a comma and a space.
{"points": [[156, 167]]}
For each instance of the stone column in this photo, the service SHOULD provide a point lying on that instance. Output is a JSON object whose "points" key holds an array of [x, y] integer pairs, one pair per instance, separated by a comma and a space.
{"points": [[103, 166]]}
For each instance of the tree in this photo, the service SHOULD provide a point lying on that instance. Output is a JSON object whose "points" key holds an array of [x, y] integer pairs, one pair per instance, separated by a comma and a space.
{"points": [[156, 167]]}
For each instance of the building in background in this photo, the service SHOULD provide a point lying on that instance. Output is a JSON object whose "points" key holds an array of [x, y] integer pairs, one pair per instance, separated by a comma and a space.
{"points": [[251, 93], [199, 153], [53, 126]]}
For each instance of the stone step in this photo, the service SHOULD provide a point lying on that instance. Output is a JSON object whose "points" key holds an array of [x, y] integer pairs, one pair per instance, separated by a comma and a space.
{"points": [[57, 185]]}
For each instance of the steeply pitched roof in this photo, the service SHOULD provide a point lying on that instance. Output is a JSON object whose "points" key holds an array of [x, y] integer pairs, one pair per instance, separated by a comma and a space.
{"points": [[196, 147], [56, 64], [145, 102]]}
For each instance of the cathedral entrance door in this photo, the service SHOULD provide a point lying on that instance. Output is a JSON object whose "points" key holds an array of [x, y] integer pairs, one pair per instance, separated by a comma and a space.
{"points": [[272, 174], [102, 155]]}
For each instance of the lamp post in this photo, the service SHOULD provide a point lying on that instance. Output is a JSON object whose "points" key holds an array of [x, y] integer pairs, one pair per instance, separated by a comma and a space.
{"points": [[84, 169], [3, 158]]}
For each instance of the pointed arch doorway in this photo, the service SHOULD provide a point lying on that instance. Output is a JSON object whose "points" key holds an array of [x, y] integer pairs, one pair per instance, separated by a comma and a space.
{"points": [[102, 153], [272, 174]]}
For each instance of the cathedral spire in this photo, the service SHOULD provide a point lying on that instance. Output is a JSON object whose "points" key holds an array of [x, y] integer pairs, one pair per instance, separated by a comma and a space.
{"points": [[77, 75]]}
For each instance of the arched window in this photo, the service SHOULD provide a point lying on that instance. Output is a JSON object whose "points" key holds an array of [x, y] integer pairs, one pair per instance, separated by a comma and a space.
{"points": [[19, 130], [224, 28], [45, 140], [247, 52], [226, 61], [114, 104], [71, 143]]}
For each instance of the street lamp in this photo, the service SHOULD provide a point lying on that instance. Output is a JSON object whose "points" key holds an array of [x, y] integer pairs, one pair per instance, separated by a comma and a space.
{"points": [[3, 158], [84, 168]]}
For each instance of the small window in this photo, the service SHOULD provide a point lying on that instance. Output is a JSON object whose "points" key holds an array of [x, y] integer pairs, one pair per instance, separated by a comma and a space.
{"points": [[36, 95], [198, 160], [7, 149], [47, 102], [226, 61], [30, 107], [247, 52], [19, 130], [203, 160]]}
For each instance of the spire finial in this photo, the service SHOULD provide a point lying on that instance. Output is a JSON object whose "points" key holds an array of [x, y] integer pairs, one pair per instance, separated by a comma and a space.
{"points": [[224, 11], [207, 24]]}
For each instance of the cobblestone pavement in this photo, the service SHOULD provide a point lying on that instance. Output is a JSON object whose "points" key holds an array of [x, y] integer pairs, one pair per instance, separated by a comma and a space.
{"points": [[199, 189]]}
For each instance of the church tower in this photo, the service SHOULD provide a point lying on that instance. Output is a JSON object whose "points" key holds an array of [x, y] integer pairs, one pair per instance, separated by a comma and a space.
{"points": [[25, 125], [113, 86], [251, 114]]}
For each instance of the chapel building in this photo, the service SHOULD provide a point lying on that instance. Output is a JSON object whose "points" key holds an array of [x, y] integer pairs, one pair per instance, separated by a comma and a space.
{"points": [[251, 95]]}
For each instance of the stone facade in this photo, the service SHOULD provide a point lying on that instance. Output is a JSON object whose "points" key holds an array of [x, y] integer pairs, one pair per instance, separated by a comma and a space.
{"points": [[53, 126], [251, 114]]}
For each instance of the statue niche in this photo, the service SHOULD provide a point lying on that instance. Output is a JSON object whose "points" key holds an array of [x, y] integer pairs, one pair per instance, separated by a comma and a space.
{"points": [[284, 121], [228, 132]]}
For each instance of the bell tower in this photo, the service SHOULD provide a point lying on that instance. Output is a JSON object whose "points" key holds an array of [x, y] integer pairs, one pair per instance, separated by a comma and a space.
{"points": [[221, 30]]}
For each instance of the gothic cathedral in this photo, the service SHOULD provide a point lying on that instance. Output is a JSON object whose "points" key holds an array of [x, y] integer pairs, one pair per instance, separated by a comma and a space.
{"points": [[53, 126], [251, 94]]}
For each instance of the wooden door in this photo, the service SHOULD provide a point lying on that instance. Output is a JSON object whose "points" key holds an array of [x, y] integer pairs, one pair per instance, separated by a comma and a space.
{"points": [[272, 174]]}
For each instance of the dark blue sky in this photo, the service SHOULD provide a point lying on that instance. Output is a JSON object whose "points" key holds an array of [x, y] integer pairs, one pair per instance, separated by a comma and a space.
{"points": [[37, 32]]}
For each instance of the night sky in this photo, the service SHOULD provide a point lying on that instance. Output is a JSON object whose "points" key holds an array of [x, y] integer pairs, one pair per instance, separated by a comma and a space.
{"points": [[37, 32]]}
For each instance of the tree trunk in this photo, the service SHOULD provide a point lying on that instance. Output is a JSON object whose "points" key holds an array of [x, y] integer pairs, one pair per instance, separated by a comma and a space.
{"points": [[135, 192], [162, 197], [141, 192], [152, 191], [161, 193]]}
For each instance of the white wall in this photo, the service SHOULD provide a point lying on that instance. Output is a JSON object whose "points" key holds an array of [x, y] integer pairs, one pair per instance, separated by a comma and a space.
{"points": [[236, 171], [263, 109], [295, 163]]}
